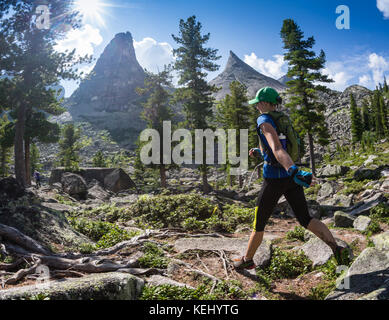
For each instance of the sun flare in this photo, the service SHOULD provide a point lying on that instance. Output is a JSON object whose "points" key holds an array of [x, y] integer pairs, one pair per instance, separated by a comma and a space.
{"points": [[92, 10]]}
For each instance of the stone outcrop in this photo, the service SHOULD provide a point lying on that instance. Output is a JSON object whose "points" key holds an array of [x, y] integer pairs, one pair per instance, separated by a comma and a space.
{"points": [[368, 273], [106, 286], [107, 98], [118, 180], [74, 185]]}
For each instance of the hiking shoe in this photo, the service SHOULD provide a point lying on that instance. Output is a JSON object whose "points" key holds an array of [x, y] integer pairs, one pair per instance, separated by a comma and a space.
{"points": [[342, 255], [240, 264]]}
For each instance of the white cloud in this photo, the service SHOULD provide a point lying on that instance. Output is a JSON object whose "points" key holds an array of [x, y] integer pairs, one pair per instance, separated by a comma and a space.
{"points": [[275, 68], [383, 6], [338, 72], [365, 81], [83, 40], [153, 55], [378, 66]]}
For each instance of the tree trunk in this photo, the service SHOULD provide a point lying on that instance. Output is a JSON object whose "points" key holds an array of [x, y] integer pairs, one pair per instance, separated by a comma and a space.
{"points": [[240, 177], [206, 186], [20, 169], [311, 154], [162, 172], [27, 160]]}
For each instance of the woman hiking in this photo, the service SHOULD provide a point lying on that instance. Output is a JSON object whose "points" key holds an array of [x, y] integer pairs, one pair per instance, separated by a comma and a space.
{"points": [[281, 177]]}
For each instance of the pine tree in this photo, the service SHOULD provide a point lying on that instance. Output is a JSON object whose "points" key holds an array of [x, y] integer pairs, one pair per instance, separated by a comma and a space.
{"points": [[377, 114], [69, 147], [6, 143], [157, 110], [192, 59], [356, 120], [366, 115], [386, 88], [233, 113], [304, 67], [35, 159], [384, 116], [28, 52]]}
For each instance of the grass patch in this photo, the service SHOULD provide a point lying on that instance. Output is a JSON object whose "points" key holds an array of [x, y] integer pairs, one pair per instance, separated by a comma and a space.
{"points": [[296, 234], [189, 212], [223, 290], [153, 257], [105, 234]]}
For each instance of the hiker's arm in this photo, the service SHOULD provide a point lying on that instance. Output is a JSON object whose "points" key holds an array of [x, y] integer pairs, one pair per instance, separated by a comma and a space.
{"points": [[274, 142]]}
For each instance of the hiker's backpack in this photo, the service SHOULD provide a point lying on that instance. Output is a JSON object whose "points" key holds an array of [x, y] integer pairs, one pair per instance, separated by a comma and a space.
{"points": [[293, 141]]}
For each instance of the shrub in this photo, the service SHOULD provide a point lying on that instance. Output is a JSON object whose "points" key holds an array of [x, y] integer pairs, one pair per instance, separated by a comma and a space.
{"points": [[297, 233], [153, 257], [288, 265]]}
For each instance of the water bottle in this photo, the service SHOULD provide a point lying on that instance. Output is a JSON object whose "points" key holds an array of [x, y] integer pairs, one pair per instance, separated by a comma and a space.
{"points": [[282, 138]]}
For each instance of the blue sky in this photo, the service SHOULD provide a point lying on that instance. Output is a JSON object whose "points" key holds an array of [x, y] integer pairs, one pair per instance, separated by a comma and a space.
{"points": [[251, 29]]}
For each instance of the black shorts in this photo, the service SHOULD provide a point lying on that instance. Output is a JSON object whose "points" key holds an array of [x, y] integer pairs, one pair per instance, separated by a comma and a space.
{"points": [[271, 192]]}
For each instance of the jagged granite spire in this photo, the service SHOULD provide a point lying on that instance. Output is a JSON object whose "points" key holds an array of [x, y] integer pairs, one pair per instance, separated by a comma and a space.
{"points": [[108, 98], [238, 70]]}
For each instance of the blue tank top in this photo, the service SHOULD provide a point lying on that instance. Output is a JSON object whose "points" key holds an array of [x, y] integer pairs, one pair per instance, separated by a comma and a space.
{"points": [[268, 170]]}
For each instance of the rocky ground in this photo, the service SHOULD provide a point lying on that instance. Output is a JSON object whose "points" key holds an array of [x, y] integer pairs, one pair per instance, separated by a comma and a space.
{"points": [[179, 243]]}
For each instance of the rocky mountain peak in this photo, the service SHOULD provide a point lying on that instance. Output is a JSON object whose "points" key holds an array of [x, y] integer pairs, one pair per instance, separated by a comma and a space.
{"points": [[238, 70], [107, 98]]}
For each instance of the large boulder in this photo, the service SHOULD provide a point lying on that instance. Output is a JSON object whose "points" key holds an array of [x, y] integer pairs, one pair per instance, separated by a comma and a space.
{"points": [[364, 207], [97, 192], [362, 223], [118, 181], [74, 185], [368, 273], [10, 189], [364, 173], [89, 174], [343, 220], [103, 286], [326, 190], [333, 170], [318, 251]]}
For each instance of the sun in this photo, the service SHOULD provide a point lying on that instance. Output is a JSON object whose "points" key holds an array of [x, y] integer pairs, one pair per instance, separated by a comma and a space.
{"points": [[92, 11]]}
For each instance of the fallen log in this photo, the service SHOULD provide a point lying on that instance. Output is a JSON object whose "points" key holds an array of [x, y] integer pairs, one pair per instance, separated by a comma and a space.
{"points": [[14, 235]]}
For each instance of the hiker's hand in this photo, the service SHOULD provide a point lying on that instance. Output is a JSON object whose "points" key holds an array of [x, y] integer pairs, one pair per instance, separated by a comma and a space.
{"points": [[314, 181], [302, 178], [255, 152]]}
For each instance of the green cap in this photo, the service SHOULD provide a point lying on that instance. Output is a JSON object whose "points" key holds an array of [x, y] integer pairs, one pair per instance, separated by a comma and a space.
{"points": [[266, 94]]}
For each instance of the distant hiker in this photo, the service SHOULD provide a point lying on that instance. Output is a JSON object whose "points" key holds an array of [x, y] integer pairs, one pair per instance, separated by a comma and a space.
{"points": [[279, 146], [37, 177]]}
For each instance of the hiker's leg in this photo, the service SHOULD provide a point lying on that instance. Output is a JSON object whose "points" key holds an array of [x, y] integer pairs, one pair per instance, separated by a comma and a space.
{"points": [[268, 197], [296, 198], [321, 230]]}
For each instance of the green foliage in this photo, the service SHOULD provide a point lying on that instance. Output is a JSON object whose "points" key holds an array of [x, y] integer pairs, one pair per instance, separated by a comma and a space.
{"points": [[192, 60], [288, 265], [356, 120], [354, 187], [305, 70], [297, 233], [99, 160], [105, 234], [380, 213], [6, 143], [169, 211], [223, 290], [153, 257], [35, 159], [321, 291], [69, 147], [373, 228]]}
